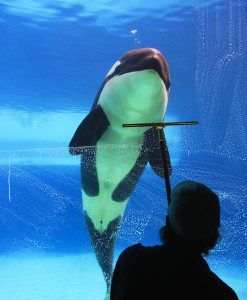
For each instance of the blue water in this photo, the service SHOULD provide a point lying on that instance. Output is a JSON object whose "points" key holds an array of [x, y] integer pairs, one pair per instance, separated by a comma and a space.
{"points": [[53, 58]]}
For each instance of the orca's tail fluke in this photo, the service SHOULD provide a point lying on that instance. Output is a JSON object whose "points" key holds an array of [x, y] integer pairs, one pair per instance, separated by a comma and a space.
{"points": [[103, 246]]}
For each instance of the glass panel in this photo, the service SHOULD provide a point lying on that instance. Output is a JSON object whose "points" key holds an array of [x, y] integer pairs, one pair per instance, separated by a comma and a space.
{"points": [[53, 60]]}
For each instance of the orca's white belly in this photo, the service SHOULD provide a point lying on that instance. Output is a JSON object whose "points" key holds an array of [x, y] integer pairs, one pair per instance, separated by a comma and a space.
{"points": [[135, 97], [113, 162]]}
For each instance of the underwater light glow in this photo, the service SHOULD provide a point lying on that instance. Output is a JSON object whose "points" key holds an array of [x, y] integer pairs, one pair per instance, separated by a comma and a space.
{"points": [[104, 12], [42, 137]]}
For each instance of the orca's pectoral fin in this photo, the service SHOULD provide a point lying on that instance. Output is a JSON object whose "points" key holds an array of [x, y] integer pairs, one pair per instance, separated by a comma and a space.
{"points": [[152, 147], [89, 131]]}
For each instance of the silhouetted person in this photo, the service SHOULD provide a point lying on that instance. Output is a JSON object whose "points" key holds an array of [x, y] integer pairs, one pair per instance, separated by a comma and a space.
{"points": [[176, 270]]}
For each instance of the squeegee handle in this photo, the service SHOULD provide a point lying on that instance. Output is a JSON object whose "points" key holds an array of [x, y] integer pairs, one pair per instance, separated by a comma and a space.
{"points": [[161, 124], [165, 164]]}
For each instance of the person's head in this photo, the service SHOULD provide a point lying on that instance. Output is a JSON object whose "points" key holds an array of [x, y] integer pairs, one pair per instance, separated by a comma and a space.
{"points": [[193, 217]]}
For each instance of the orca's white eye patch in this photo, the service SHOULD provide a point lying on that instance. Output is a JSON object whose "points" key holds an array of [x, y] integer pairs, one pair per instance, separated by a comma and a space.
{"points": [[113, 68]]}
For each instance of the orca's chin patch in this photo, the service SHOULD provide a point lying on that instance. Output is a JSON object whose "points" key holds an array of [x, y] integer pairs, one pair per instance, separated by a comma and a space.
{"points": [[134, 97]]}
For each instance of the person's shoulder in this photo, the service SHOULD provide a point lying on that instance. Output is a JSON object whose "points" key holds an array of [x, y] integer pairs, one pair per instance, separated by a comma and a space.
{"points": [[130, 258], [224, 290], [135, 247], [139, 253], [133, 250], [138, 249]]}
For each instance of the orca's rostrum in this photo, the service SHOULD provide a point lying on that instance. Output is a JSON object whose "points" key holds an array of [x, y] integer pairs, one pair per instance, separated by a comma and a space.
{"points": [[134, 91]]}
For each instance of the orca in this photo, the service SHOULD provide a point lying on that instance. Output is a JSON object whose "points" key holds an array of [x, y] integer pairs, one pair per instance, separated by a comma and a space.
{"points": [[135, 90]]}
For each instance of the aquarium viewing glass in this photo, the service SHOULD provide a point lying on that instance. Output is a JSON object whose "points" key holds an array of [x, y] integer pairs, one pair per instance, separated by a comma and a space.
{"points": [[54, 56]]}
